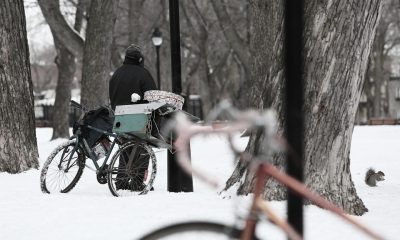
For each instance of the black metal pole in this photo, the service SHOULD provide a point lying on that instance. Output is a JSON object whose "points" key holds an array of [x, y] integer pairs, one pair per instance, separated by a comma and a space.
{"points": [[158, 67], [175, 46], [294, 105], [178, 180]]}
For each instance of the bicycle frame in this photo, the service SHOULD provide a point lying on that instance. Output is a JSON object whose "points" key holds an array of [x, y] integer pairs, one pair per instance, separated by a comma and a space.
{"points": [[81, 143], [267, 170]]}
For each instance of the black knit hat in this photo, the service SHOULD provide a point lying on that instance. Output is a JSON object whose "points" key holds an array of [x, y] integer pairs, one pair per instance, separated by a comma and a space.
{"points": [[134, 52]]}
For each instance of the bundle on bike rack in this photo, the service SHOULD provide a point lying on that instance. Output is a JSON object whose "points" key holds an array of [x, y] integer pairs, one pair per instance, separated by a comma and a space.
{"points": [[146, 120], [166, 97]]}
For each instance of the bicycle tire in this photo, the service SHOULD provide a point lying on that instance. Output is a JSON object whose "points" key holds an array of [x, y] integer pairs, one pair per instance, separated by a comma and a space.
{"points": [[113, 170], [46, 183], [200, 228]]}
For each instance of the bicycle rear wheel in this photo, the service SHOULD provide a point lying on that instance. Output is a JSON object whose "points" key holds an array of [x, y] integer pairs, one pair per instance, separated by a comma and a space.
{"points": [[195, 230], [132, 170], [62, 169]]}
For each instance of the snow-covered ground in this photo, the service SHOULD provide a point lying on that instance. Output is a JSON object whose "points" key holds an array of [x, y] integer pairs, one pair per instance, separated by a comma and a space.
{"points": [[90, 211]]}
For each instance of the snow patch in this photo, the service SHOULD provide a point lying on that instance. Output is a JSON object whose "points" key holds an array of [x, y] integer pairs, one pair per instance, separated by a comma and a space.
{"points": [[90, 212]]}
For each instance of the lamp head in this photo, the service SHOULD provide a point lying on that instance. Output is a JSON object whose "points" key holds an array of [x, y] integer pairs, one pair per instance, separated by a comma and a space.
{"points": [[157, 37]]}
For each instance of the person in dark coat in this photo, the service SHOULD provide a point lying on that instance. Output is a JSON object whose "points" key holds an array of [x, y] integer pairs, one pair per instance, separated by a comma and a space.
{"points": [[132, 77]]}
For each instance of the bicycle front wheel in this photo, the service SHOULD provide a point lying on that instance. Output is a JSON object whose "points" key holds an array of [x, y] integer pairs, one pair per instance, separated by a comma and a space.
{"points": [[62, 169], [195, 230], [132, 170]]}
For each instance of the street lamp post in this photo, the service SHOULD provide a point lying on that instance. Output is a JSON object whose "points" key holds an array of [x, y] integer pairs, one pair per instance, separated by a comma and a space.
{"points": [[156, 38], [178, 180]]}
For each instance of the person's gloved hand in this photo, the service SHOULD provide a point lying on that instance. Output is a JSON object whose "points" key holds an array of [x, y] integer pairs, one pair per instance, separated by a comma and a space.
{"points": [[135, 97]]}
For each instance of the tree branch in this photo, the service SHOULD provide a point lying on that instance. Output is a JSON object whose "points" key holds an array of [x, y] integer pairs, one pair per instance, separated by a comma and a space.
{"points": [[231, 35], [65, 33], [189, 21]]}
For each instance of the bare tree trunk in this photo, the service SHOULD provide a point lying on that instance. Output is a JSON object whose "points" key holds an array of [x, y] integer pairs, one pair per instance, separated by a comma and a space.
{"points": [[116, 59], [80, 13], [238, 45], [367, 88], [378, 67], [18, 147], [338, 38], [66, 65], [97, 53], [66, 69], [341, 60], [135, 13], [386, 38], [377, 71], [378, 75]]}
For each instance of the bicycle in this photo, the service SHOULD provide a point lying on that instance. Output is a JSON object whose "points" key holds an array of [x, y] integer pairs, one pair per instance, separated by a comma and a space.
{"points": [[274, 143], [131, 170]]}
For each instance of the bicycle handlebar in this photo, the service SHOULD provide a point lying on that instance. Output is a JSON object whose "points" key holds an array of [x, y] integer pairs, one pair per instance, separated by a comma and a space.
{"points": [[76, 105], [240, 120]]}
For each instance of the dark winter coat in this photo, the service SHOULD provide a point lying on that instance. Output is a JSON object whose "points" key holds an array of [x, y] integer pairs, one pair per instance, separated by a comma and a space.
{"points": [[127, 79]]}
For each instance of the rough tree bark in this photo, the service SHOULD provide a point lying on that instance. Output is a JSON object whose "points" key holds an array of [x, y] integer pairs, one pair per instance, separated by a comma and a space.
{"points": [[97, 53], [18, 147], [66, 66], [338, 36]]}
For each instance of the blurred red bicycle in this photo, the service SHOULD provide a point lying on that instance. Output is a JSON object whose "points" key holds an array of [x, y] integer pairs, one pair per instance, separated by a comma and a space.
{"points": [[273, 143]]}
